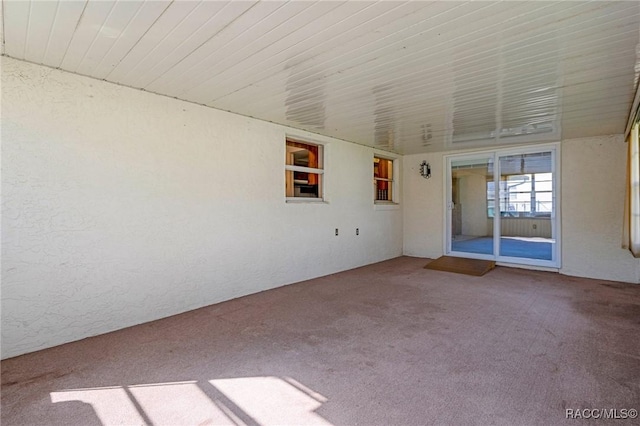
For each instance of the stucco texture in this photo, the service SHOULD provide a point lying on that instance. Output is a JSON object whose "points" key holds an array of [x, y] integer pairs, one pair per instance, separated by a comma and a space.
{"points": [[593, 191], [121, 207], [591, 201]]}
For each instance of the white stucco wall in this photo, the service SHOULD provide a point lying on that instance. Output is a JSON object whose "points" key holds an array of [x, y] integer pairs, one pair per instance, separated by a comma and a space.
{"points": [[592, 195], [593, 191], [423, 206], [121, 207]]}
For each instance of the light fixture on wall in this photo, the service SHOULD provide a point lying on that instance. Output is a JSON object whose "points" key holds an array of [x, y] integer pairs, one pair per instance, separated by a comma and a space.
{"points": [[425, 170]]}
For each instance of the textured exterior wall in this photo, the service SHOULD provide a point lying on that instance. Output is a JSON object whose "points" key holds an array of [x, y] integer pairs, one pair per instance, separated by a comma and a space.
{"points": [[593, 190], [592, 196], [121, 207], [423, 206]]}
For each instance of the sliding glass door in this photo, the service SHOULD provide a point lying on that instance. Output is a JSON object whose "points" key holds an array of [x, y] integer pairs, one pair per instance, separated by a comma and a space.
{"points": [[470, 230], [502, 205]]}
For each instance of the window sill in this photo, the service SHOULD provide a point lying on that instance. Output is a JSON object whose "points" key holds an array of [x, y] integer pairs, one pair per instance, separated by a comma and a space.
{"points": [[386, 206], [303, 200]]}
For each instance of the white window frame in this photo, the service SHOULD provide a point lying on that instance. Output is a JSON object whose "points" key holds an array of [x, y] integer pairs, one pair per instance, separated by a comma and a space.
{"points": [[320, 172]]}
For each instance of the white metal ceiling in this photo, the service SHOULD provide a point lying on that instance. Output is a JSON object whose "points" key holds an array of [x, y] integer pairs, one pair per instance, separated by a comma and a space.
{"points": [[404, 76]]}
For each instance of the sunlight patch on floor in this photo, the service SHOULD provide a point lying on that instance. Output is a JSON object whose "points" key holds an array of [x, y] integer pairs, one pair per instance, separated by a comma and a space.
{"points": [[271, 400], [111, 405], [259, 400]]}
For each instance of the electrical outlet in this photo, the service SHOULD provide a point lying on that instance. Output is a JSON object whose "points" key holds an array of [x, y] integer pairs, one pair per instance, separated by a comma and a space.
{"points": [[336, 232], [535, 226], [357, 231]]}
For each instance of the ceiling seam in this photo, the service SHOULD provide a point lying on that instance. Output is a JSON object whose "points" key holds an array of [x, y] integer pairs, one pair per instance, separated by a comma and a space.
{"points": [[140, 39], [26, 31], [416, 74], [413, 88], [53, 24], [204, 42], [135, 15], [363, 123], [175, 27], [277, 65], [243, 47], [347, 53], [226, 44], [308, 89], [210, 38], [95, 37], [168, 34], [415, 106], [403, 64], [73, 34], [4, 40]]}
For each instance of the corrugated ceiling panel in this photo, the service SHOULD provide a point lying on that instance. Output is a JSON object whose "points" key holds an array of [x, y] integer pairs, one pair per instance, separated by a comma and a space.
{"points": [[407, 76], [16, 27], [143, 19], [64, 25], [111, 31], [248, 52], [349, 21], [370, 74], [87, 31], [200, 26], [41, 20], [231, 22], [161, 38]]}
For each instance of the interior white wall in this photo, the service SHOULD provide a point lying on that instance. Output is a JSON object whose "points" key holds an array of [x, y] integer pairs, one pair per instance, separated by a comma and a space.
{"points": [[121, 207], [473, 202], [592, 196], [593, 191]]}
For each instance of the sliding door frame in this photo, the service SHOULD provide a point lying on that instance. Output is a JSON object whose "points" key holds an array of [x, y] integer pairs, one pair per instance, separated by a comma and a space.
{"points": [[556, 216]]}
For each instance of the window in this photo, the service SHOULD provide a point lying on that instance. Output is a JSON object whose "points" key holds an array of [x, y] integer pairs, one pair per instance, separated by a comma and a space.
{"points": [[303, 170], [522, 195], [383, 179]]}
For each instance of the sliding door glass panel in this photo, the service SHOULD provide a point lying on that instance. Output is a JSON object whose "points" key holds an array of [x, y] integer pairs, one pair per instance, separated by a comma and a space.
{"points": [[527, 207], [472, 201]]}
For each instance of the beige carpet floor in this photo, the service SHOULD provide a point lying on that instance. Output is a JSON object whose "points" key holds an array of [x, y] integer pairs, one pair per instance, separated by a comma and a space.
{"points": [[387, 344]]}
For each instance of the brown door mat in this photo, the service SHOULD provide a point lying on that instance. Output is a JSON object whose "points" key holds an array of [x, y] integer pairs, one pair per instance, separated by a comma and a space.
{"points": [[461, 265]]}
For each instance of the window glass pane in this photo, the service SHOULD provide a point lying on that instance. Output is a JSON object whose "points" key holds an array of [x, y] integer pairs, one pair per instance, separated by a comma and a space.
{"points": [[382, 168], [544, 202], [526, 183], [519, 197], [544, 176], [471, 180], [383, 179], [518, 183], [519, 206], [304, 155], [301, 184], [544, 196], [491, 191], [526, 194], [544, 185], [383, 190]]}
